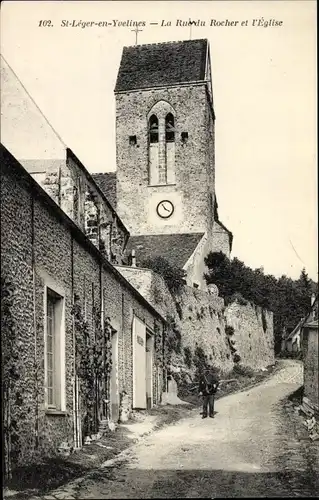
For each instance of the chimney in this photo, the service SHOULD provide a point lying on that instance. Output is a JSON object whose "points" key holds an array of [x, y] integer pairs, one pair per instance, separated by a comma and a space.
{"points": [[133, 259]]}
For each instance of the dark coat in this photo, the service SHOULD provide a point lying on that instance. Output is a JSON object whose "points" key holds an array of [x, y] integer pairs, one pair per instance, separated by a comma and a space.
{"points": [[208, 383]]}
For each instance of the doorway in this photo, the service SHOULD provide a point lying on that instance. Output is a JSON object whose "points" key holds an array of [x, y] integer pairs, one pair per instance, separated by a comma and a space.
{"points": [[149, 368], [139, 364], [114, 379]]}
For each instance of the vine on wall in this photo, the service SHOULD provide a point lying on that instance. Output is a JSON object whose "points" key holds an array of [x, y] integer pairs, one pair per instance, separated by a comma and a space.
{"points": [[93, 351], [188, 357], [11, 373], [158, 345], [173, 338]]}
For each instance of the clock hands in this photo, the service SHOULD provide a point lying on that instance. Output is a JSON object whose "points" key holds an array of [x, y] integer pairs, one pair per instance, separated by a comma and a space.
{"points": [[165, 209]]}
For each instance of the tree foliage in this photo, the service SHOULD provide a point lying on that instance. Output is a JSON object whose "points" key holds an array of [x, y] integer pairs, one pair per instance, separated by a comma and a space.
{"points": [[93, 352], [12, 368], [289, 299], [173, 276]]}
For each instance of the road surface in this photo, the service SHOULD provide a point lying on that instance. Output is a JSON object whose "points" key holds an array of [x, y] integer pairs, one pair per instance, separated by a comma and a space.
{"points": [[248, 450]]}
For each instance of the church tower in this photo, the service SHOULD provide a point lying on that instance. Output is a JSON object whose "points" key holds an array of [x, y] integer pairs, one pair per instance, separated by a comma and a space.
{"points": [[165, 139]]}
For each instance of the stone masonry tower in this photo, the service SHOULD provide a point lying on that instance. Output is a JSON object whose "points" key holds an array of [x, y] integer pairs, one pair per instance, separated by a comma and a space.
{"points": [[165, 139]]}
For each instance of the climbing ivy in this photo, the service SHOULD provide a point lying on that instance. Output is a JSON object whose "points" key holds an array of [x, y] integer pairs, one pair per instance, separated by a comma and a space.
{"points": [[264, 320], [229, 330], [158, 345], [188, 356], [173, 276], [173, 341], [93, 352], [11, 373]]}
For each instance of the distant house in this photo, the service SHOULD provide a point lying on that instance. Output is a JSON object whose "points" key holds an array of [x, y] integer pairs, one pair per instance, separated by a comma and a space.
{"points": [[291, 341], [293, 337], [310, 347]]}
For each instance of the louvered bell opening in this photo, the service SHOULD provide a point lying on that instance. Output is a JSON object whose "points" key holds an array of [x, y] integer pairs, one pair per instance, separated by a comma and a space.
{"points": [[153, 129], [169, 128]]}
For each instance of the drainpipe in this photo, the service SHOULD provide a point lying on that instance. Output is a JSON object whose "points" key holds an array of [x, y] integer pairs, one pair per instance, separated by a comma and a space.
{"points": [[75, 415], [34, 326], [163, 357]]}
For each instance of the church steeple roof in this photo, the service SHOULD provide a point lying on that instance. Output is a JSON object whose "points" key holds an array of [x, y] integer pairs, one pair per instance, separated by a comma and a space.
{"points": [[162, 64]]}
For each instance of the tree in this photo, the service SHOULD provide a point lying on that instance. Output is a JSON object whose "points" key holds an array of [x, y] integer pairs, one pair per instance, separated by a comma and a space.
{"points": [[174, 277], [288, 299], [303, 293], [219, 273]]}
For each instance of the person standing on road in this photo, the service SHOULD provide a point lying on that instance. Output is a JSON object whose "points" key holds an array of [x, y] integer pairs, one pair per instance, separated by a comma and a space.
{"points": [[208, 386]]}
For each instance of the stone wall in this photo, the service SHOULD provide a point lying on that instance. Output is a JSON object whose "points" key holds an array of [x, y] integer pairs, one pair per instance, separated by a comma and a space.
{"points": [[194, 161], [220, 241], [72, 187], [195, 266], [41, 247], [202, 324], [204, 321], [253, 336], [28, 135]]}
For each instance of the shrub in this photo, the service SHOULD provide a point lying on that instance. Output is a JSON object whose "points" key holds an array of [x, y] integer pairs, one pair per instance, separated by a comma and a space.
{"points": [[174, 337], [229, 330], [237, 297], [178, 340], [264, 320], [179, 310], [188, 356], [236, 358], [243, 371], [288, 299], [173, 276], [200, 359]]}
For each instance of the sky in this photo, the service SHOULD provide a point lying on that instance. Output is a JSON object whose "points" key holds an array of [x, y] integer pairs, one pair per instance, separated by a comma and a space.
{"points": [[265, 96]]}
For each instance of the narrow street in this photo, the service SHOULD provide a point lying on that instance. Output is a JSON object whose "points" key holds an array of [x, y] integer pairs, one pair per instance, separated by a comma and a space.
{"points": [[248, 450]]}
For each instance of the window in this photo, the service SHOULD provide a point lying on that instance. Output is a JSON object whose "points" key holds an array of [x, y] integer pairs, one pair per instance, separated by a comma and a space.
{"points": [[184, 137], [153, 129], [161, 144], [53, 359], [132, 140], [169, 128]]}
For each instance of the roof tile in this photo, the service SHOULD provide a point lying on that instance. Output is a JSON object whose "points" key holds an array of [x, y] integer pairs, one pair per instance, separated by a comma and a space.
{"points": [[107, 184], [175, 248], [161, 64]]}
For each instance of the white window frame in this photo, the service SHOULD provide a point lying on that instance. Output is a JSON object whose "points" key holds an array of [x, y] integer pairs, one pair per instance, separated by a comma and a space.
{"points": [[59, 383]]}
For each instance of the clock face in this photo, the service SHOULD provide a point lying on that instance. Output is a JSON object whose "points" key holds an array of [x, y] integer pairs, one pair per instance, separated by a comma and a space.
{"points": [[165, 209]]}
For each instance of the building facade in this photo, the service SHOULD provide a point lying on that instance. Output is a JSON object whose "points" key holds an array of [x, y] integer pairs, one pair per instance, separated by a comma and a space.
{"points": [[84, 337], [165, 147]]}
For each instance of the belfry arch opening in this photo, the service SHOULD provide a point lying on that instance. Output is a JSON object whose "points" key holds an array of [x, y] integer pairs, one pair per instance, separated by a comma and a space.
{"points": [[153, 129], [169, 128], [161, 144]]}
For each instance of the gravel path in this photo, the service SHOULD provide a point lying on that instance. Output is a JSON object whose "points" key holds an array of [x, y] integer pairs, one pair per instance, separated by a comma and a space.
{"points": [[248, 450]]}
